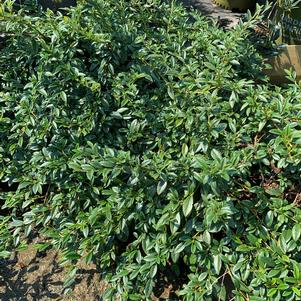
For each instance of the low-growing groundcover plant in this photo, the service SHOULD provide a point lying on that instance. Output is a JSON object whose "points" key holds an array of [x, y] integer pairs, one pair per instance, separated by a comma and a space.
{"points": [[144, 138]]}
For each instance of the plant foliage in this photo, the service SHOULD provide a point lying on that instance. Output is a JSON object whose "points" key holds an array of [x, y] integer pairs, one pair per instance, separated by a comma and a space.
{"points": [[144, 138]]}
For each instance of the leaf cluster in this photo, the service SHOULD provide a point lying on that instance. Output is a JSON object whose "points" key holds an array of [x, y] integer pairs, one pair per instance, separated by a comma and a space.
{"points": [[146, 139]]}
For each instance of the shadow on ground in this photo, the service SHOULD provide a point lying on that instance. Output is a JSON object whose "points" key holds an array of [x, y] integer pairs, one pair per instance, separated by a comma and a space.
{"points": [[31, 277]]}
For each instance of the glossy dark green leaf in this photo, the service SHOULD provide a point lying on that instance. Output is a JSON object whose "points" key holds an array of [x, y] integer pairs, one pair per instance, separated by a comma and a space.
{"points": [[187, 205], [161, 187], [296, 232]]}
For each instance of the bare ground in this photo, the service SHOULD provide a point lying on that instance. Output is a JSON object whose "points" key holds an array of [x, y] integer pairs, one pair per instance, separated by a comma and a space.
{"points": [[28, 276]]}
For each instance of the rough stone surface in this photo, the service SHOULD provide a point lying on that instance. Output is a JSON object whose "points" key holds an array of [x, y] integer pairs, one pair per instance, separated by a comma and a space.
{"points": [[227, 18]]}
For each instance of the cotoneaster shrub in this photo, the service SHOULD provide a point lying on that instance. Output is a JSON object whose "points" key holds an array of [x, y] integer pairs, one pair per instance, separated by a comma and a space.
{"points": [[144, 138]]}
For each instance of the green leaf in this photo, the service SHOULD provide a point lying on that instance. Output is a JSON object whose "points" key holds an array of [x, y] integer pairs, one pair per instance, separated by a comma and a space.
{"points": [[4, 254], [148, 288], [235, 62], [184, 149], [296, 232], [153, 271], [244, 248], [43, 92], [283, 286], [23, 185], [63, 96], [269, 218], [90, 174], [296, 270], [135, 297], [171, 93], [188, 205], [216, 155], [86, 231], [175, 224], [261, 125], [75, 166], [179, 248], [217, 263], [207, 237], [161, 187], [272, 292], [273, 273], [296, 291]]}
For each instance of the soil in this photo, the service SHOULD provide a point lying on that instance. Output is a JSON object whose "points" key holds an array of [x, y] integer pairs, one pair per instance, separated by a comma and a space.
{"points": [[31, 276]]}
